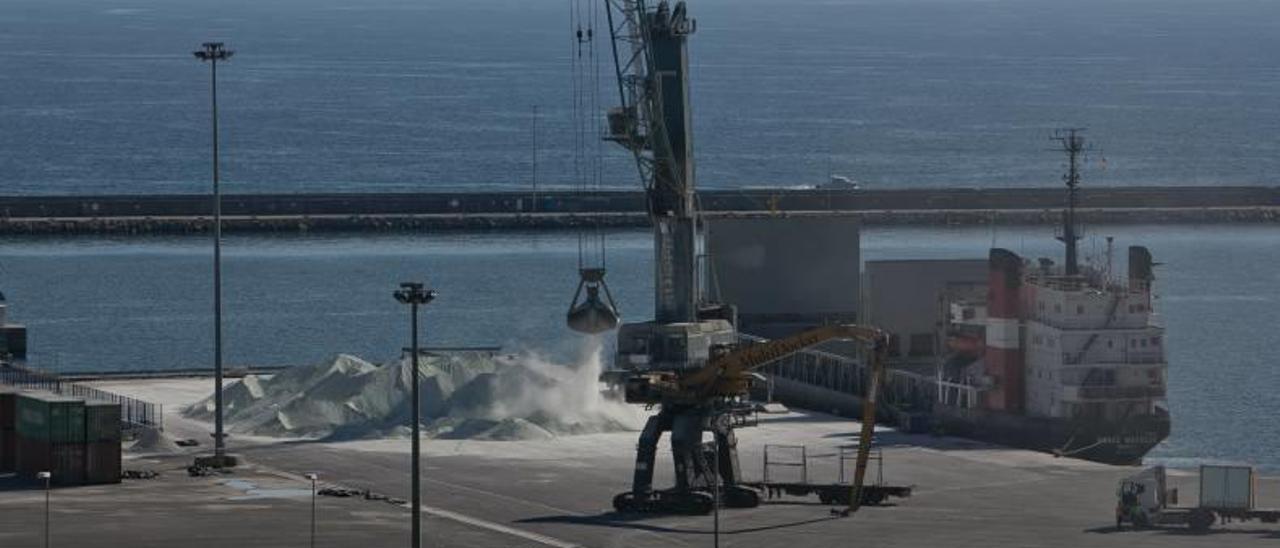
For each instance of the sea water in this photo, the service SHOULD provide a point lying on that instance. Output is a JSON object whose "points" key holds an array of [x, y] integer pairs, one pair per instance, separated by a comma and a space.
{"points": [[105, 96], [146, 303]]}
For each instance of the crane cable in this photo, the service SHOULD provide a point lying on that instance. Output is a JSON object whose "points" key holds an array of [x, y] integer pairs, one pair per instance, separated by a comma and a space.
{"points": [[588, 164]]}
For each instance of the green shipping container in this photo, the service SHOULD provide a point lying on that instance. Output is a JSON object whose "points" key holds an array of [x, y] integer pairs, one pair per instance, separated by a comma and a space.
{"points": [[50, 418], [101, 421], [8, 399]]}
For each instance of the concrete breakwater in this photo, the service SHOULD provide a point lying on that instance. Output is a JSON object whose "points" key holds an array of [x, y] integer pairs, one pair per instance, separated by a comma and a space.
{"points": [[168, 214]]}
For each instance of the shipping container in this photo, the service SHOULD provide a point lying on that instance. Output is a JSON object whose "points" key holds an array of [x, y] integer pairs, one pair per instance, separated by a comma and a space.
{"points": [[8, 451], [101, 421], [102, 462], [57, 419], [1226, 487], [65, 461], [68, 463], [31, 457], [8, 398]]}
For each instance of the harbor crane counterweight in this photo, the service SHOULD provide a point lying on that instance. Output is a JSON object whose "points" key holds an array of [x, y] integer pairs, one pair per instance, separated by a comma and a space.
{"points": [[688, 361]]}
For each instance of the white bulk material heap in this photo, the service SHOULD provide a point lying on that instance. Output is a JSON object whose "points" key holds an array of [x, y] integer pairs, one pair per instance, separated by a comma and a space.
{"points": [[465, 396]]}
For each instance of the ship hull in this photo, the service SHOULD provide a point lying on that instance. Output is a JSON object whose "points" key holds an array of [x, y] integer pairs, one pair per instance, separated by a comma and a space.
{"points": [[1122, 442]]}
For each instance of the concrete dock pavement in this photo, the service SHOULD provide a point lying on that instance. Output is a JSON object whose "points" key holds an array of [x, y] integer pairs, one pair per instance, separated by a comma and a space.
{"points": [[961, 500], [250, 508], [557, 493]]}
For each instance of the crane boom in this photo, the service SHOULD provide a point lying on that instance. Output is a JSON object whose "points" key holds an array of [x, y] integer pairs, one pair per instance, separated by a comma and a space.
{"points": [[727, 371]]}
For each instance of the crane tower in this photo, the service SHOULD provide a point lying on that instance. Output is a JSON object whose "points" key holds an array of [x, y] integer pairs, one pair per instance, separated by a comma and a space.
{"points": [[687, 360]]}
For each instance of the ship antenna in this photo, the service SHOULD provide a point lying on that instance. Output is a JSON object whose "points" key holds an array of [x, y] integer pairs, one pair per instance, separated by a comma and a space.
{"points": [[1073, 144]]}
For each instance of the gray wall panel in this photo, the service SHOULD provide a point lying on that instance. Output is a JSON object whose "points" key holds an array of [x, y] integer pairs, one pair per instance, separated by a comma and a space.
{"points": [[787, 269]]}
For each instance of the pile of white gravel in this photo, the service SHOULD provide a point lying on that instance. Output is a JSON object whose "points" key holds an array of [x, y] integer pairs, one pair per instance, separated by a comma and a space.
{"points": [[463, 396]]}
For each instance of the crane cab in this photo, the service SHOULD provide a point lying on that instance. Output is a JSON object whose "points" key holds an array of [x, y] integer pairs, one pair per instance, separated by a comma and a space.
{"points": [[651, 346]]}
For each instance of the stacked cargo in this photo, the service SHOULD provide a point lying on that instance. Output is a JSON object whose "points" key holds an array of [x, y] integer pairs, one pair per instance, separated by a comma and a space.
{"points": [[8, 435], [76, 442], [51, 433], [102, 442]]}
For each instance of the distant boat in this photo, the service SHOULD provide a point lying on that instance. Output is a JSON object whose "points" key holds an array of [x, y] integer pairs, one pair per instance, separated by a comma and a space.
{"points": [[840, 182]]}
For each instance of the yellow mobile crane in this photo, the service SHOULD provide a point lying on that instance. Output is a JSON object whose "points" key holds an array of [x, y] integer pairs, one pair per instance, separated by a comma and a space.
{"points": [[688, 360], [703, 398]]}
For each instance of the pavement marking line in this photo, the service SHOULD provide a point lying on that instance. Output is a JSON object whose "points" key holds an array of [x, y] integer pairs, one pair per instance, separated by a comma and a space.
{"points": [[517, 500], [495, 527], [460, 518], [508, 498]]}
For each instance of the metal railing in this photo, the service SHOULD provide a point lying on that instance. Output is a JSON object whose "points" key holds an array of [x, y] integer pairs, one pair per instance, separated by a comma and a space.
{"points": [[133, 411], [1126, 358], [847, 374], [1137, 392], [850, 454], [954, 394], [800, 459]]}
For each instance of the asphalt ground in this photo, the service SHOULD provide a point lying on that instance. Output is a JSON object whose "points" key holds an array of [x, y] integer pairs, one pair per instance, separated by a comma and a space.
{"points": [[557, 493], [964, 497], [252, 507]]}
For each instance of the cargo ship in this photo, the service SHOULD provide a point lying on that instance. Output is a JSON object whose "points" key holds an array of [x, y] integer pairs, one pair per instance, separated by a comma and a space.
{"points": [[1055, 360], [1067, 358], [1059, 355]]}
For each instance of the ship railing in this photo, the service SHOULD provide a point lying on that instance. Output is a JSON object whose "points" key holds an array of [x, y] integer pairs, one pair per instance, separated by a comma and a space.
{"points": [[954, 394], [845, 373], [1135, 358], [133, 412], [1139, 392], [1088, 324], [1076, 283]]}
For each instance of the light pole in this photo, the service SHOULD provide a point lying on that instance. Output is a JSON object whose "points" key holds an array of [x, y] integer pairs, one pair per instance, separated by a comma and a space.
{"points": [[715, 491], [313, 478], [534, 169], [214, 52], [414, 295], [47, 477]]}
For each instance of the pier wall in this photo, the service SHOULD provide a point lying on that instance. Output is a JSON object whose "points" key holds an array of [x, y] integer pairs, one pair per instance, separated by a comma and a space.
{"points": [[122, 214]]}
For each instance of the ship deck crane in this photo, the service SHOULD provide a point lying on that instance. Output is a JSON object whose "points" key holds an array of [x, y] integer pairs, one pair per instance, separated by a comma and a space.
{"points": [[688, 361]]}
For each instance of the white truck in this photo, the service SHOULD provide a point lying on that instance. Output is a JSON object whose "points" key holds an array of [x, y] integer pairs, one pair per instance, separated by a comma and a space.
{"points": [[1226, 493]]}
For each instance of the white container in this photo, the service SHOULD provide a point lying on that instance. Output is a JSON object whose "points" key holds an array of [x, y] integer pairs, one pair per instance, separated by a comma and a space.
{"points": [[1226, 486]]}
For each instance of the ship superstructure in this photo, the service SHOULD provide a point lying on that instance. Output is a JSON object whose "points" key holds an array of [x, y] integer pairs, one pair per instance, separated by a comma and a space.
{"points": [[1067, 358], [1094, 348], [1072, 364]]}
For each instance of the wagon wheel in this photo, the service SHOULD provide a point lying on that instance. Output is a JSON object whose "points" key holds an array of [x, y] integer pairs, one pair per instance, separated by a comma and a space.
{"points": [[1201, 519]]}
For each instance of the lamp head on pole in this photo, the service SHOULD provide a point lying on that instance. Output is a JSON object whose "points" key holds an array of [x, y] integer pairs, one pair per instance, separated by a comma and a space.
{"points": [[312, 477], [414, 293], [213, 51], [44, 475]]}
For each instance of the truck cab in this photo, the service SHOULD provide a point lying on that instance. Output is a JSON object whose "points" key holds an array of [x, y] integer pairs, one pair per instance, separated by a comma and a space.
{"points": [[1141, 497], [1227, 493]]}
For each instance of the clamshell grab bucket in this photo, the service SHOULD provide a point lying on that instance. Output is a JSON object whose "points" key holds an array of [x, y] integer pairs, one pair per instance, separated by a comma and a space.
{"points": [[592, 311]]}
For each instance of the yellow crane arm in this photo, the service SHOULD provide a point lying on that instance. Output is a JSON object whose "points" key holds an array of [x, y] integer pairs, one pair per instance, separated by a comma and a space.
{"points": [[878, 355], [728, 375]]}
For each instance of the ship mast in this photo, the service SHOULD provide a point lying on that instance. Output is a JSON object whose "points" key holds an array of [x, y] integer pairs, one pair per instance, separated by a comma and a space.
{"points": [[1073, 144]]}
